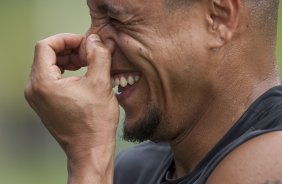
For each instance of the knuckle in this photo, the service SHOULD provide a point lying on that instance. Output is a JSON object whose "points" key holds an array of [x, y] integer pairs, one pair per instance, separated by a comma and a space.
{"points": [[28, 92], [36, 89], [101, 84], [39, 45], [33, 89]]}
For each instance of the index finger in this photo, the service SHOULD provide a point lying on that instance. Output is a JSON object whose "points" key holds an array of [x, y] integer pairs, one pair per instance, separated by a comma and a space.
{"points": [[46, 51]]}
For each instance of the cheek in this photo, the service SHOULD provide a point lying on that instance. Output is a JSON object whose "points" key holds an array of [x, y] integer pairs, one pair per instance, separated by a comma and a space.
{"points": [[179, 67], [134, 50]]}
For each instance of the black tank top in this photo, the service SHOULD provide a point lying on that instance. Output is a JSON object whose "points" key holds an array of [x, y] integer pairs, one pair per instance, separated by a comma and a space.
{"points": [[149, 163]]}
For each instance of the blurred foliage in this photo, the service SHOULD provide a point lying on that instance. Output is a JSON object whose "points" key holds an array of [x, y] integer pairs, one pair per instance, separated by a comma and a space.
{"points": [[28, 154]]}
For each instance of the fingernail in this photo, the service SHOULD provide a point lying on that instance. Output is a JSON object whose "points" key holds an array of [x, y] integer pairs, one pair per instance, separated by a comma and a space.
{"points": [[94, 38]]}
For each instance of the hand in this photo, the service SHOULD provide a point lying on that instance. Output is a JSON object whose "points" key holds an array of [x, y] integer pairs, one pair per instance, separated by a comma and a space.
{"points": [[80, 112]]}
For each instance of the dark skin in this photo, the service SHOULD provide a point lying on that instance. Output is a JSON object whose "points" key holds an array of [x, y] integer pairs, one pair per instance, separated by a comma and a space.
{"points": [[202, 67]]}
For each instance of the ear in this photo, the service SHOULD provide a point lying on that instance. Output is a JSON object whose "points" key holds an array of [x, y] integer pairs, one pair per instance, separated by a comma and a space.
{"points": [[222, 20]]}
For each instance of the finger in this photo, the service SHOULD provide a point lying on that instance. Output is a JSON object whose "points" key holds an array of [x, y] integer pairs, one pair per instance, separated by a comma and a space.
{"points": [[46, 51], [98, 59], [62, 70], [69, 60], [64, 42], [69, 67]]}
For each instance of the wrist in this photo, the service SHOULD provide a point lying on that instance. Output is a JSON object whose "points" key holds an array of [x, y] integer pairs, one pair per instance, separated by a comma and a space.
{"points": [[95, 165]]}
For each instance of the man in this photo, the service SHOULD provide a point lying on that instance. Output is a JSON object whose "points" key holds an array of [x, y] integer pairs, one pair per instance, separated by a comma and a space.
{"points": [[197, 78]]}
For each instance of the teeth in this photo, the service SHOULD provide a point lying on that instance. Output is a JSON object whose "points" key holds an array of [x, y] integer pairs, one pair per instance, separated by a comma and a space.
{"points": [[113, 83], [136, 78], [123, 81], [130, 80], [116, 82]]}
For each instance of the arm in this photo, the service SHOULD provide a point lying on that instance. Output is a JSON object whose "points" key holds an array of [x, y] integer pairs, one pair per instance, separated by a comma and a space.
{"points": [[258, 161], [80, 112]]}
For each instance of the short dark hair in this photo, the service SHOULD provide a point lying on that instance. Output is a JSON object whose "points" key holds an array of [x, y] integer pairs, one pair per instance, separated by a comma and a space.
{"points": [[264, 15]]}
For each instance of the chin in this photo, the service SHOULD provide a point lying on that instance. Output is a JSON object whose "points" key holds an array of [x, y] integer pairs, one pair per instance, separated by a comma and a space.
{"points": [[145, 128]]}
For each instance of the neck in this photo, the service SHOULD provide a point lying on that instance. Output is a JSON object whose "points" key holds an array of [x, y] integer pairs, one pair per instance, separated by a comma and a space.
{"points": [[222, 112]]}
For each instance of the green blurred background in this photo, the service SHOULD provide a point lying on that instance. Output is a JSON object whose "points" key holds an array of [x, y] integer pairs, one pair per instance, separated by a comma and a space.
{"points": [[28, 154]]}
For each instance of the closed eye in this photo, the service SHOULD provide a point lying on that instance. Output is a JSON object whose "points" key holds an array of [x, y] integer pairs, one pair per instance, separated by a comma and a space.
{"points": [[117, 23], [114, 21]]}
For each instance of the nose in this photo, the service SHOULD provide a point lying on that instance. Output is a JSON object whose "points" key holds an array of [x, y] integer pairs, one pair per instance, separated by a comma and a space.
{"points": [[107, 37]]}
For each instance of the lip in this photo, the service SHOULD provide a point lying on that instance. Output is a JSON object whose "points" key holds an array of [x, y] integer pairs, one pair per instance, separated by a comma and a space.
{"points": [[126, 92], [123, 71]]}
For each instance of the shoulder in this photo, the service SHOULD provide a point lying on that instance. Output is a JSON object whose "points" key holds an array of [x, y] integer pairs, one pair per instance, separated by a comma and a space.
{"points": [[143, 159], [258, 160]]}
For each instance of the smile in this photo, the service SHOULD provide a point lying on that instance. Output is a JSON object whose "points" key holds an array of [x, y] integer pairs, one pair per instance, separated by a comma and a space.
{"points": [[124, 84], [124, 80]]}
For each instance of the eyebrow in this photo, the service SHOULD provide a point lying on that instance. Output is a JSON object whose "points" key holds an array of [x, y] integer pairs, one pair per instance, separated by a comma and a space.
{"points": [[106, 7]]}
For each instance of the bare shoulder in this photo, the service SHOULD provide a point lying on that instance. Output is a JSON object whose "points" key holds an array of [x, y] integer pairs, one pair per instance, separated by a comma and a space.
{"points": [[258, 161]]}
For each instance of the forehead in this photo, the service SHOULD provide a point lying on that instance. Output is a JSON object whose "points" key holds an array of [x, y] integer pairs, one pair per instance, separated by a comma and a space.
{"points": [[121, 6], [106, 6]]}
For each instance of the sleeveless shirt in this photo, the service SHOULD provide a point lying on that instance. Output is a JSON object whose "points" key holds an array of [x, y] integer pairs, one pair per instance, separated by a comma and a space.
{"points": [[149, 163]]}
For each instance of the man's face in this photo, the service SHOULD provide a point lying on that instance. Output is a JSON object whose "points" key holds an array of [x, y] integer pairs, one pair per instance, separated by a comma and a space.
{"points": [[159, 60]]}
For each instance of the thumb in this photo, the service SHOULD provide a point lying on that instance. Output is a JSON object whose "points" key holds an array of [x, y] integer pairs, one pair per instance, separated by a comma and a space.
{"points": [[98, 59]]}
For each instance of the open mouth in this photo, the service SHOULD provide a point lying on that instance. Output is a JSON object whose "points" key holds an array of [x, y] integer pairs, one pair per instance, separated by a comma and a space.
{"points": [[125, 83]]}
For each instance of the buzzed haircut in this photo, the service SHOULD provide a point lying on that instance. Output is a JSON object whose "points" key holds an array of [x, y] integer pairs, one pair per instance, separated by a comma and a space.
{"points": [[264, 16], [263, 13]]}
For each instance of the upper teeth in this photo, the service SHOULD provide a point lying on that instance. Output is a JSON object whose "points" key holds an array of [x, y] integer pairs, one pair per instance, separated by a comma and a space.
{"points": [[124, 81]]}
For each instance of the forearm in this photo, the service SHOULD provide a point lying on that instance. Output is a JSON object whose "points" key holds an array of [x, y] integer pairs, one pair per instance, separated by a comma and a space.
{"points": [[93, 167], [80, 112]]}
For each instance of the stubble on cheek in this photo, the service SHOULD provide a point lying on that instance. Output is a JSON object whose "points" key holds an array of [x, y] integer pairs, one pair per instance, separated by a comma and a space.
{"points": [[145, 128]]}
